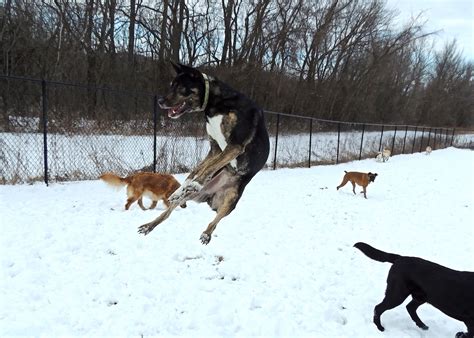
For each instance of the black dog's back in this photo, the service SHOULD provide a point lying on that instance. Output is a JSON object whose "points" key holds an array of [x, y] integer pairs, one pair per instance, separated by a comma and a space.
{"points": [[450, 291], [425, 275]]}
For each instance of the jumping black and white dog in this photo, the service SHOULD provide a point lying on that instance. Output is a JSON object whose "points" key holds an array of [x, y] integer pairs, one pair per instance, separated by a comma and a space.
{"points": [[238, 138]]}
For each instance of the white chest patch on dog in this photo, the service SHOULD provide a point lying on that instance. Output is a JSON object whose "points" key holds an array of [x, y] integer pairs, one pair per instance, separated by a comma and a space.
{"points": [[214, 130]]}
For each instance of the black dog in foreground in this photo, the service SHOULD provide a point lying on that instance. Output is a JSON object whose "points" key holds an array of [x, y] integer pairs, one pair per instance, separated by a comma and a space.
{"points": [[448, 290], [238, 138]]}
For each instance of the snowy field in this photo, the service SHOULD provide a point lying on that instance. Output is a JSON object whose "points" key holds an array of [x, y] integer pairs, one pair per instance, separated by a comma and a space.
{"points": [[282, 264]]}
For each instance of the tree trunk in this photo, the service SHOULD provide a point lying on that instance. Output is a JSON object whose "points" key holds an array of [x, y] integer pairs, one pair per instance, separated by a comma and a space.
{"points": [[131, 32]]}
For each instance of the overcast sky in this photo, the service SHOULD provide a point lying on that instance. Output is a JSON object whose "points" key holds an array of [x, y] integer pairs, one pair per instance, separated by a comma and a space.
{"points": [[454, 19]]}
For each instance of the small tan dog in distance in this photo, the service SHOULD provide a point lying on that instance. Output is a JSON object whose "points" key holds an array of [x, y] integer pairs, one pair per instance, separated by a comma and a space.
{"points": [[362, 179], [383, 156], [152, 185], [428, 150]]}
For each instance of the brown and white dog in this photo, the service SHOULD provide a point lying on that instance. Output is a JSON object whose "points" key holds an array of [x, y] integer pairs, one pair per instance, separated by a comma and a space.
{"points": [[362, 179], [428, 150], [152, 185]]}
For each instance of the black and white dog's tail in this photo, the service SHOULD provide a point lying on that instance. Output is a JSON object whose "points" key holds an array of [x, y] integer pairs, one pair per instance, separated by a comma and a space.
{"points": [[376, 254]]}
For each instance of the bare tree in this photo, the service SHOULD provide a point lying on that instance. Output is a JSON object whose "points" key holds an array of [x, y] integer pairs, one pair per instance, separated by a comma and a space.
{"points": [[335, 59], [131, 31]]}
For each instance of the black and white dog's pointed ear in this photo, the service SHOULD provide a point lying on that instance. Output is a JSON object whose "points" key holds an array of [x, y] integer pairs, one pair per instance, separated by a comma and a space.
{"points": [[176, 66], [180, 69], [191, 71]]}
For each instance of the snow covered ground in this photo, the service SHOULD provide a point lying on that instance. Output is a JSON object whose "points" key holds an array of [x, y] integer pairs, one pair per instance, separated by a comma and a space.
{"points": [[282, 264]]}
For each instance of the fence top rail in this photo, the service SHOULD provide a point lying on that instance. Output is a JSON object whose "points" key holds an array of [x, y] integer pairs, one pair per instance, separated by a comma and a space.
{"points": [[78, 85], [120, 91], [355, 123]]}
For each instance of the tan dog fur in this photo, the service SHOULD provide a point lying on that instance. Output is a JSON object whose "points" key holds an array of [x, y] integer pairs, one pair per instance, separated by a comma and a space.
{"points": [[383, 156], [362, 179], [428, 150], [152, 185]]}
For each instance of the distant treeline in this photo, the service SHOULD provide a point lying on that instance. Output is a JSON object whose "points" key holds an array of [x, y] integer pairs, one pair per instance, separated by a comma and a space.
{"points": [[332, 59]]}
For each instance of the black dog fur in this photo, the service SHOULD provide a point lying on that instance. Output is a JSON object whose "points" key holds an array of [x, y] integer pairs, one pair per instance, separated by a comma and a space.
{"points": [[239, 143], [450, 291]]}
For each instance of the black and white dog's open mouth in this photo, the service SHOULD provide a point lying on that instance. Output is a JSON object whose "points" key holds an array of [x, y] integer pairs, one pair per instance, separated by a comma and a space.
{"points": [[176, 111]]}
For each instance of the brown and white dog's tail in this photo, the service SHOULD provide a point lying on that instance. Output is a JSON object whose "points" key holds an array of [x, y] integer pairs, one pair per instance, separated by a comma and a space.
{"points": [[114, 180], [375, 254]]}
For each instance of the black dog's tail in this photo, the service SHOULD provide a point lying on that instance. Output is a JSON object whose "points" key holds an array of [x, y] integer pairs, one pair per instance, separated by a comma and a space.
{"points": [[376, 254]]}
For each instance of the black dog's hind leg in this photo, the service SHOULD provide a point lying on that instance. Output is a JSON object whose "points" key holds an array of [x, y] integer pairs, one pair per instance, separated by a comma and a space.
{"points": [[395, 295], [411, 308], [470, 330]]}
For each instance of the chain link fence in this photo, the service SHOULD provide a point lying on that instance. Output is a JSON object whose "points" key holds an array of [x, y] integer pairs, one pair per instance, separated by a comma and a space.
{"points": [[52, 131]]}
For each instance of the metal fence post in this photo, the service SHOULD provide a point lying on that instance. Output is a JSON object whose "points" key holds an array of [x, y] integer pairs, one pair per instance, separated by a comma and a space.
{"points": [[310, 139], [414, 140], [361, 141], [452, 138], [44, 107], [276, 141], [381, 137], [421, 142], [393, 140], [429, 138], [155, 123], [434, 140], [446, 140], [405, 139], [338, 140]]}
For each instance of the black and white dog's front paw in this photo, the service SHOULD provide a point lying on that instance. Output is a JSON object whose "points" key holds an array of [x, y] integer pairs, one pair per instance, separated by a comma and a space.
{"points": [[187, 189], [205, 238]]}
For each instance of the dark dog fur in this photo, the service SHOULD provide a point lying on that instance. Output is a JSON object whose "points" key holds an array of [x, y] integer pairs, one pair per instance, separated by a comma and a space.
{"points": [[238, 138], [450, 291]]}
